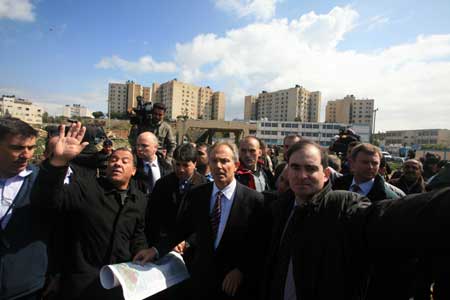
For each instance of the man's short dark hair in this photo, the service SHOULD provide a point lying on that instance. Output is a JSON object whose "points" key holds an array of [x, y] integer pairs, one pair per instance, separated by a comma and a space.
{"points": [[202, 144], [354, 144], [14, 126], [334, 162], [367, 149], [127, 150], [307, 143], [185, 152], [107, 143], [159, 105]]}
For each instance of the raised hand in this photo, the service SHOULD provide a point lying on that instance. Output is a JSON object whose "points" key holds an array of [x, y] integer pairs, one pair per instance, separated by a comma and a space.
{"points": [[68, 146]]}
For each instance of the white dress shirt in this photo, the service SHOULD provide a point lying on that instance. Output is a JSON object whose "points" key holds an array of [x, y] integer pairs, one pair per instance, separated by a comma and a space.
{"points": [[154, 167], [8, 193], [365, 187], [226, 202]]}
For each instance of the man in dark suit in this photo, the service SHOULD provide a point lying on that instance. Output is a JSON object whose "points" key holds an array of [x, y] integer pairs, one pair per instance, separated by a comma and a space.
{"points": [[365, 180], [150, 167], [228, 220], [169, 193], [164, 207]]}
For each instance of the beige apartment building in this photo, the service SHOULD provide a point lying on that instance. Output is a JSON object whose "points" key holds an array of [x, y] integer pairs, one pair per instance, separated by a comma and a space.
{"points": [[293, 104], [418, 137], [181, 99], [21, 109], [187, 100], [76, 110], [122, 96], [350, 111]]}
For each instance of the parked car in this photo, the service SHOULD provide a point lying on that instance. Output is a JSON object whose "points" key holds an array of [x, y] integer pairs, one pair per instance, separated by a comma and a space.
{"points": [[398, 159], [386, 155]]}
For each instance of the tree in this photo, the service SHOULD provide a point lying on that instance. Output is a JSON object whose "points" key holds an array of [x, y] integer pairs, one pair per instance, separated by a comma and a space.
{"points": [[120, 116], [98, 114], [45, 117]]}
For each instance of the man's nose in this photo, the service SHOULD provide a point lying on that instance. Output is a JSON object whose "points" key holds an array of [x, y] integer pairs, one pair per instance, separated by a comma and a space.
{"points": [[26, 153]]}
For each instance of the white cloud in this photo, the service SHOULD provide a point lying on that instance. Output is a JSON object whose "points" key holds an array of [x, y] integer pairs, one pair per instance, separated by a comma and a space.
{"points": [[377, 21], [408, 81], [260, 9], [20, 10], [145, 64]]}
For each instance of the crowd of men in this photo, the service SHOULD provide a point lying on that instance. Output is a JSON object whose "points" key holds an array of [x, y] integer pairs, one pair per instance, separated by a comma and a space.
{"points": [[249, 226]]}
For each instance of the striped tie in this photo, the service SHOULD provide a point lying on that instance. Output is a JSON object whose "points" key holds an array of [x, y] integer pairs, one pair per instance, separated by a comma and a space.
{"points": [[356, 189], [215, 214]]}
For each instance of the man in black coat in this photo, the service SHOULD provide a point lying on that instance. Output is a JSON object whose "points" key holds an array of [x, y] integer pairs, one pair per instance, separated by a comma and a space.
{"points": [[150, 167], [170, 192], [365, 180], [165, 206], [229, 222], [108, 214], [324, 242]]}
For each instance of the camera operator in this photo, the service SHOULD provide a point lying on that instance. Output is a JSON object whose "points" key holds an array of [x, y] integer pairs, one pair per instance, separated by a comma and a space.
{"points": [[158, 127]]}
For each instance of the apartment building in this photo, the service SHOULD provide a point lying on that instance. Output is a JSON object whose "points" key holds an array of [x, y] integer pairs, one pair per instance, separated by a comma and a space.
{"points": [[21, 109], [187, 100], [76, 110], [350, 110], [293, 104], [122, 96]]}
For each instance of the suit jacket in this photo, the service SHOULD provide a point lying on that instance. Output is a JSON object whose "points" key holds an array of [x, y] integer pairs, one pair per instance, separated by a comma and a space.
{"points": [[241, 246], [164, 206], [141, 178], [380, 190]]}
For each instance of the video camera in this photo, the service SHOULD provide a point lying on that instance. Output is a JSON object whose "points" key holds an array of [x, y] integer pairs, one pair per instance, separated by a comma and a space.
{"points": [[346, 136], [142, 114]]}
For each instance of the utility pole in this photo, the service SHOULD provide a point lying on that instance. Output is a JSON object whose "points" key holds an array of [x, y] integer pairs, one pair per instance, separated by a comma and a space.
{"points": [[373, 125]]}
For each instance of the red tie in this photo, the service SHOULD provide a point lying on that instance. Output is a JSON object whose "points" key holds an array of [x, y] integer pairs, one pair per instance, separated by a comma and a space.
{"points": [[215, 214]]}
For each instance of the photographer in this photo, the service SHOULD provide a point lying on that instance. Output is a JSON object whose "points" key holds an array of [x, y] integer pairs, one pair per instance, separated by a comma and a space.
{"points": [[156, 124]]}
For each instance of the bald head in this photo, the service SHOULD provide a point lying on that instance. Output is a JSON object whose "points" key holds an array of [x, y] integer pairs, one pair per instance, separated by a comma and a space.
{"points": [[146, 146], [250, 152]]}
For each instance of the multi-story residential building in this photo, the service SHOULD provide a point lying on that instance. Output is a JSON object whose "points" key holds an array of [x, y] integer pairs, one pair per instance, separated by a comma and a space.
{"points": [[293, 104], [350, 110], [273, 132], [418, 137], [187, 100], [21, 109], [76, 110], [122, 96]]}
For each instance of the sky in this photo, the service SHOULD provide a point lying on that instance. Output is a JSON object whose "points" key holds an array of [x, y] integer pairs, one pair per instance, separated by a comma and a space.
{"points": [[397, 52]]}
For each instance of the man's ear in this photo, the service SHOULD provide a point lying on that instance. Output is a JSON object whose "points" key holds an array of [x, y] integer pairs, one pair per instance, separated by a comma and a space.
{"points": [[327, 173], [237, 164]]}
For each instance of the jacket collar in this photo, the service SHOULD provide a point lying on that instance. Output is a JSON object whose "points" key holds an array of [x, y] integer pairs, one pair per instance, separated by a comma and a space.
{"points": [[109, 188]]}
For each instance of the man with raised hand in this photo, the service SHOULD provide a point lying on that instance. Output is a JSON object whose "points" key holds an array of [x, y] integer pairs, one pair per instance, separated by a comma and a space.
{"points": [[107, 215]]}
